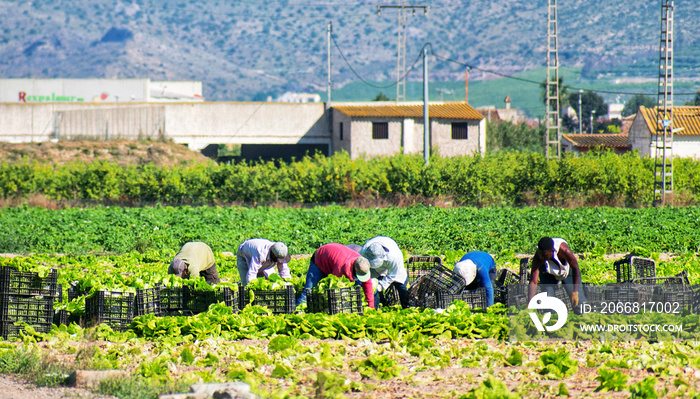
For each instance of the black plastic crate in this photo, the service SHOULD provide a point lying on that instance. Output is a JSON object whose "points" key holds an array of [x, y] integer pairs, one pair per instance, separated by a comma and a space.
{"points": [[198, 301], [594, 293], [389, 297], [61, 317], [15, 282], [475, 299], [339, 300], [75, 291], [437, 279], [683, 298], [147, 302], [418, 266], [35, 310], [171, 299], [696, 299], [280, 301], [680, 279], [506, 277], [634, 267], [500, 295], [8, 329], [113, 308], [516, 295], [524, 275]]}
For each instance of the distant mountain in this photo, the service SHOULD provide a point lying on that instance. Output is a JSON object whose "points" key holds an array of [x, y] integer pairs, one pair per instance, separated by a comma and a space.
{"points": [[251, 49]]}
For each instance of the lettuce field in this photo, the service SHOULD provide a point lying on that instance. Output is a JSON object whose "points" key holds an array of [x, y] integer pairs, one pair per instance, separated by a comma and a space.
{"points": [[384, 353]]}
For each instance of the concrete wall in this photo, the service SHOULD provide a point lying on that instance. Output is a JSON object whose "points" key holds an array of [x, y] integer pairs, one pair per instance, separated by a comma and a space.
{"points": [[194, 124], [639, 137], [199, 125]]}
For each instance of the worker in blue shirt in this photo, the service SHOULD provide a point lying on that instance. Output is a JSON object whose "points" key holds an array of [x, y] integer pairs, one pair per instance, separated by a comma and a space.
{"points": [[478, 270]]}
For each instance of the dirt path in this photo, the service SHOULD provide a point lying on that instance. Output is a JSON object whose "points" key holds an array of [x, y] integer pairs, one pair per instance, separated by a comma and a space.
{"points": [[14, 388]]}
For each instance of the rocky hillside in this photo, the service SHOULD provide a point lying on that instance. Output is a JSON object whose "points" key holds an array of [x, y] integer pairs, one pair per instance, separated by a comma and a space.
{"points": [[248, 50]]}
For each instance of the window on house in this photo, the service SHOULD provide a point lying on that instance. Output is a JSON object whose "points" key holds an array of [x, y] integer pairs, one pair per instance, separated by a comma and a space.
{"points": [[340, 131], [380, 130], [459, 131]]}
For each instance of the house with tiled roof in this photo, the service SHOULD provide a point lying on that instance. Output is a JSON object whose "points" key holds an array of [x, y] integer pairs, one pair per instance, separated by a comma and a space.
{"points": [[577, 143], [686, 125], [387, 128]]}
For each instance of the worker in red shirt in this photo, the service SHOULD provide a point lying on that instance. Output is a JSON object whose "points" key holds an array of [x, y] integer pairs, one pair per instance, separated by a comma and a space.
{"points": [[338, 260]]}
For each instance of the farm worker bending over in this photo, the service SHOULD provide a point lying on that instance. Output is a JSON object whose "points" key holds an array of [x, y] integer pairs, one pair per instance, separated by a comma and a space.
{"points": [[478, 270], [338, 260], [195, 259], [257, 257], [387, 268], [554, 263]]}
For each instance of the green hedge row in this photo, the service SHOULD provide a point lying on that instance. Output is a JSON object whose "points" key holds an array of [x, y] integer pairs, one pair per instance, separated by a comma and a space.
{"points": [[503, 178]]}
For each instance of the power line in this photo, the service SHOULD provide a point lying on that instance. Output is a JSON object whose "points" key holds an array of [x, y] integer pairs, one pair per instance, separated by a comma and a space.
{"points": [[505, 76], [366, 82]]}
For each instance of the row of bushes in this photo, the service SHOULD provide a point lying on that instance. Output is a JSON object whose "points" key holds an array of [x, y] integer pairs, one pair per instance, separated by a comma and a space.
{"points": [[503, 178]]}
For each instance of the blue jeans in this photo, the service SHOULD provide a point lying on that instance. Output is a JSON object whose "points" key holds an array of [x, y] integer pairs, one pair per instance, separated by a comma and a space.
{"points": [[313, 276], [403, 294]]}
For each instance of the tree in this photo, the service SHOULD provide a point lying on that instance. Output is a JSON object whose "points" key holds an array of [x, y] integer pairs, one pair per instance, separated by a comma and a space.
{"points": [[589, 101], [509, 136], [633, 104], [381, 97]]}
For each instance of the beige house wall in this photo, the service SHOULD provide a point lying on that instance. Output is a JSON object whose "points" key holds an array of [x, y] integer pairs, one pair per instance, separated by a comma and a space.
{"points": [[363, 144], [405, 136], [441, 132], [338, 145]]}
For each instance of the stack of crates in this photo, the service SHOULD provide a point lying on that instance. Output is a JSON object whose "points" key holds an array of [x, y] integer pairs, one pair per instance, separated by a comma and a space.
{"points": [[27, 297], [423, 293], [281, 301], [334, 301], [197, 301]]}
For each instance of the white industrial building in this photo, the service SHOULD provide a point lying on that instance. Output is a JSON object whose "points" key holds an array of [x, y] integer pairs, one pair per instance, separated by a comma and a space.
{"points": [[97, 91]]}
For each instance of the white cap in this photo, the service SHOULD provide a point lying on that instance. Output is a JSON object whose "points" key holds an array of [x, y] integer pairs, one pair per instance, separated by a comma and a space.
{"points": [[466, 269]]}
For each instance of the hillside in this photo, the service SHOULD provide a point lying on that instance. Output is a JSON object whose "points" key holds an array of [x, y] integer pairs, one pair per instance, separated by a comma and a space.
{"points": [[249, 50]]}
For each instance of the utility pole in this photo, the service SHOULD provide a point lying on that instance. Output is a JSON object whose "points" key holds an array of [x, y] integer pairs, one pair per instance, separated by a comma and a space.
{"points": [[662, 141], [401, 60], [426, 118], [552, 134], [329, 30], [579, 112]]}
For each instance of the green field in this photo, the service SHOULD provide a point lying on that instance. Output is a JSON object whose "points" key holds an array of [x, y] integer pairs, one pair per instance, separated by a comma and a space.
{"points": [[389, 352]]}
